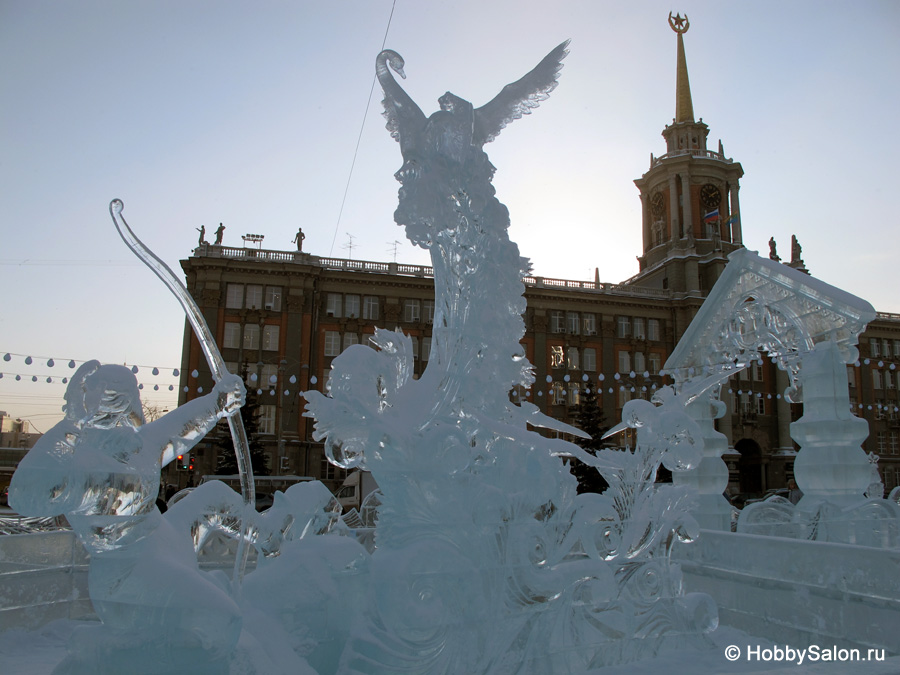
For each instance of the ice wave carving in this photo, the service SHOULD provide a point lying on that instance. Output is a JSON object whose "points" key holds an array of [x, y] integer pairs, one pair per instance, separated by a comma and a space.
{"points": [[486, 559]]}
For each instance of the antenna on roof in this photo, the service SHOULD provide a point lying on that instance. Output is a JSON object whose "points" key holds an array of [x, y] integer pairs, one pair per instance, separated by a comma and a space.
{"points": [[349, 246], [393, 246]]}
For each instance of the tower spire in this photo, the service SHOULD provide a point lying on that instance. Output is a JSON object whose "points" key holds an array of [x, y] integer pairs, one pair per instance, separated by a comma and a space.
{"points": [[684, 107]]}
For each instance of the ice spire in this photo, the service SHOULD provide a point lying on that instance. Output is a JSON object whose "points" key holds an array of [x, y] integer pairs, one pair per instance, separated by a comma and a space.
{"points": [[684, 108]]}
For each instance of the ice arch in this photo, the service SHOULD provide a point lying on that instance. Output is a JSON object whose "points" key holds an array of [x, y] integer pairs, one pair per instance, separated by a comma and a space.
{"points": [[760, 305], [763, 305]]}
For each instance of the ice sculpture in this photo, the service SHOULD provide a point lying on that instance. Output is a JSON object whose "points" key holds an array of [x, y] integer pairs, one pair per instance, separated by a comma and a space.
{"points": [[810, 330], [486, 560], [100, 467]]}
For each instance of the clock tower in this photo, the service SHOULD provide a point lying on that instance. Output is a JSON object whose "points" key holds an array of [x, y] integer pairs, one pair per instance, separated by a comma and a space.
{"points": [[689, 199]]}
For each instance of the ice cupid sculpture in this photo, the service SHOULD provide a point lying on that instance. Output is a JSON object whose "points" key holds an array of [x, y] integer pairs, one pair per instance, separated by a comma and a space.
{"points": [[100, 467]]}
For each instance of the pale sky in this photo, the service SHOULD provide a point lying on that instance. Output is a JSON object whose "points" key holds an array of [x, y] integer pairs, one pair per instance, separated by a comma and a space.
{"points": [[196, 113]]}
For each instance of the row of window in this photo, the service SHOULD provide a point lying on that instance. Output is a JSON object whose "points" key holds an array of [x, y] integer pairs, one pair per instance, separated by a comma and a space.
{"points": [[748, 403], [352, 306], [250, 336], [882, 347], [891, 478], [355, 306], [888, 442], [585, 323], [573, 358], [638, 328], [637, 362], [335, 342], [884, 379], [253, 296]]}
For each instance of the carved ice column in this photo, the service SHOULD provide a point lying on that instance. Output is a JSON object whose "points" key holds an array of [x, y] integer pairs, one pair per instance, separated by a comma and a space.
{"points": [[831, 466], [710, 478]]}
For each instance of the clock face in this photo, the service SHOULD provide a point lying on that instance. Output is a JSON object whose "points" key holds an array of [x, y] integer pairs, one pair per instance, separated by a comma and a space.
{"points": [[657, 204], [710, 196]]}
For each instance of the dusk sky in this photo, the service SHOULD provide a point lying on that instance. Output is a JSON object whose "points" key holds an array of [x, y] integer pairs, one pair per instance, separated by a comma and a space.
{"points": [[249, 114]]}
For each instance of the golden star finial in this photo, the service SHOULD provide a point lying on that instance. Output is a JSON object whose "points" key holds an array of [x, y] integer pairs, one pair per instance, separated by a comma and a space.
{"points": [[678, 23]]}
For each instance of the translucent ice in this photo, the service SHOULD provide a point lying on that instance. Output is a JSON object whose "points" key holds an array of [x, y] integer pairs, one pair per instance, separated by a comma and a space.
{"points": [[100, 468], [486, 560]]}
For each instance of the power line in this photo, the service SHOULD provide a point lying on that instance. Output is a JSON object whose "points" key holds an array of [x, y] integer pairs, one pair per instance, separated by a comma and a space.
{"points": [[359, 138]]}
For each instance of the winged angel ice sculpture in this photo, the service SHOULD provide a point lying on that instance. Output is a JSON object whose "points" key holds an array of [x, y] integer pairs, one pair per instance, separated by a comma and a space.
{"points": [[486, 559]]}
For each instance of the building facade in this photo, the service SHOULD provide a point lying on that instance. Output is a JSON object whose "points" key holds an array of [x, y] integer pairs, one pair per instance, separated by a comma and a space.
{"points": [[281, 317]]}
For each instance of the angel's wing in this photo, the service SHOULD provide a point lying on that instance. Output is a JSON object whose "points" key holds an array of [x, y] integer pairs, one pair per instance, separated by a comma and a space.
{"points": [[401, 112], [519, 98]]}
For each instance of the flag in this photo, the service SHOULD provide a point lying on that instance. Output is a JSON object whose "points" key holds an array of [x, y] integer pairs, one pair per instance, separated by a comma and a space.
{"points": [[734, 219], [711, 216]]}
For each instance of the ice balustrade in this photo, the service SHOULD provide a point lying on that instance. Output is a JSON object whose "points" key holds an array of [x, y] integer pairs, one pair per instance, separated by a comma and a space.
{"points": [[485, 558]]}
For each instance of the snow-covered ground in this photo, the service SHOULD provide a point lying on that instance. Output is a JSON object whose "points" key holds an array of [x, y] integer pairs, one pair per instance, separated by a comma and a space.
{"points": [[38, 653]]}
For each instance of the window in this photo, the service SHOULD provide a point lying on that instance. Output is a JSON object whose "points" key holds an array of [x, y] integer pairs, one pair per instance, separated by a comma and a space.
{"points": [[889, 380], [854, 406], [624, 397], [756, 371], [876, 379], [638, 327], [351, 306], [897, 348], [653, 361], [851, 376], [874, 347], [251, 336], [589, 324], [332, 343], [350, 339], [624, 362], [557, 321], [232, 337], [270, 338], [557, 359], [266, 420], [415, 347], [894, 441], [881, 436], [426, 348], [760, 405], [886, 348], [234, 296], [653, 329], [745, 403], [268, 377], [574, 394], [589, 360], [572, 358], [639, 365], [573, 322], [428, 306], [254, 297], [623, 327], [412, 311], [370, 307], [333, 304], [273, 298], [558, 393]]}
